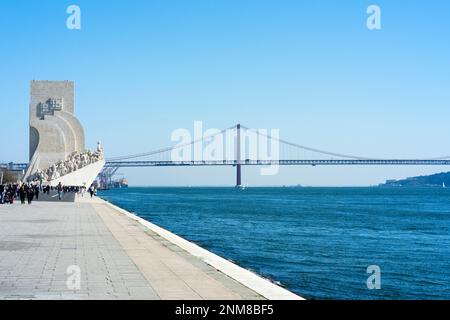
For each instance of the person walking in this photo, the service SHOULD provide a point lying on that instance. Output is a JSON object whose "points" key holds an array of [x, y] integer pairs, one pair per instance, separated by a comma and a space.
{"points": [[2, 193], [30, 193], [60, 190], [36, 191], [22, 194], [11, 193], [91, 191]]}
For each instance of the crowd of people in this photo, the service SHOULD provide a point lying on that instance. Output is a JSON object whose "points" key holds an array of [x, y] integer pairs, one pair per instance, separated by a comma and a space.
{"points": [[27, 192], [8, 193], [24, 192]]}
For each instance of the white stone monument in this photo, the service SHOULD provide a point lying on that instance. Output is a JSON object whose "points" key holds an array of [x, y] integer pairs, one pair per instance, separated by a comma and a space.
{"points": [[57, 151]]}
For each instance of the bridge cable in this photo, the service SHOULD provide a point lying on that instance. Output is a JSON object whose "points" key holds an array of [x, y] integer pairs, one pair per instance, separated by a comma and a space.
{"points": [[140, 155], [309, 148]]}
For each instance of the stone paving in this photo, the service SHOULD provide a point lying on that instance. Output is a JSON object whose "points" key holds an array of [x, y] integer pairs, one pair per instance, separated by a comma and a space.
{"points": [[88, 250]]}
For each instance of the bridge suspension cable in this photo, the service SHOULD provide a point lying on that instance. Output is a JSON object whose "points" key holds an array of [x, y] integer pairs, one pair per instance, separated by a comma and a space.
{"points": [[309, 148], [284, 142], [329, 153], [166, 149]]}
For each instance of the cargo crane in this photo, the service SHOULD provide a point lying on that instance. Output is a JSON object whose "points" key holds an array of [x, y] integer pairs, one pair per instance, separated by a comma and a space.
{"points": [[105, 177]]}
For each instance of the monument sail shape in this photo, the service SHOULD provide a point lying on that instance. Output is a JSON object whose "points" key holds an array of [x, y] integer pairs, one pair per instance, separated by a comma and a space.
{"points": [[57, 149]]}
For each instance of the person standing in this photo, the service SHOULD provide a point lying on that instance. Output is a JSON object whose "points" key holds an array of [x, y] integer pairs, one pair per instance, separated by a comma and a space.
{"points": [[36, 191]]}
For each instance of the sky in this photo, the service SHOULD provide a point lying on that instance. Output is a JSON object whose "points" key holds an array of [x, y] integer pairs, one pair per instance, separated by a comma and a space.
{"points": [[311, 69]]}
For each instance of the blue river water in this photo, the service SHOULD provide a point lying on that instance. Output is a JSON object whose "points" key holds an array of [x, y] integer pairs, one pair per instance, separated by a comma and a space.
{"points": [[317, 242]]}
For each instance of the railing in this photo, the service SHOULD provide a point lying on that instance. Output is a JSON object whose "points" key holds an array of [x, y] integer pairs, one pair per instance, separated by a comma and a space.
{"points": [[14, 166]]}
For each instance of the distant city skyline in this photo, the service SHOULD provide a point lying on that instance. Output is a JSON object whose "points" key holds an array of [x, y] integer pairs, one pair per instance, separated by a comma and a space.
{"points": [[313, 70]]}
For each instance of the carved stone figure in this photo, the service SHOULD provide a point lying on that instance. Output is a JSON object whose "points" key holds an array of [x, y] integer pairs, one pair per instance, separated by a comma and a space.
{"points": [[74, 162], [100, 149]]}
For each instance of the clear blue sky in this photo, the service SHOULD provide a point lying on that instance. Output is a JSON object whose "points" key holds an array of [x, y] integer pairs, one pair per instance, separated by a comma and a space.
{"points": [[310, 68]]}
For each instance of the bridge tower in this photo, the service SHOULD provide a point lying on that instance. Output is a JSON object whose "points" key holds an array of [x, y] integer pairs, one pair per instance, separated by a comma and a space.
{"points": [[238, 157]]}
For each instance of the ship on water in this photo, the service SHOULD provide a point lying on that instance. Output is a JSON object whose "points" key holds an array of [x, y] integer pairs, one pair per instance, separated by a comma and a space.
{"points": [[113, 184], [120, 183]]}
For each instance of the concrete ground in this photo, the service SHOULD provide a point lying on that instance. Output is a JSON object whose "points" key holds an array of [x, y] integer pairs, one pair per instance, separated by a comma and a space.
{"points": [[53, 196], [89, 250]]}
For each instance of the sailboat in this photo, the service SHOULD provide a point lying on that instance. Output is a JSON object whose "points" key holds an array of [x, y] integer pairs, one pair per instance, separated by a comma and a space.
{"points": [[443, 185]]}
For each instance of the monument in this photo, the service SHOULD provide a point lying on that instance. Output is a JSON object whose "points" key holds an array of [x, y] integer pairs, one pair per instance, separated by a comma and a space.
{"points": [[57, 150]]}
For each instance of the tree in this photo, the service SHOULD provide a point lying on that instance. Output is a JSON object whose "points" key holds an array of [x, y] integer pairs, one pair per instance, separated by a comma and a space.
{"points": [[8, 176]]}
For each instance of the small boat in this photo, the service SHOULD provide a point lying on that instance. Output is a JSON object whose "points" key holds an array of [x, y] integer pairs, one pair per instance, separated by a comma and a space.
{"points": [[243, 187]]}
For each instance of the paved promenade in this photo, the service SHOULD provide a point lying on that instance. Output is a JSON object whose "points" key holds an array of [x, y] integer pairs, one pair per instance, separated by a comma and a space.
{"points": [[45, 244]]}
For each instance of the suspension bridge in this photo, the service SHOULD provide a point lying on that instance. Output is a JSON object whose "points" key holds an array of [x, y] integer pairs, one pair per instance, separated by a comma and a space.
{"points": [[242, 147]]}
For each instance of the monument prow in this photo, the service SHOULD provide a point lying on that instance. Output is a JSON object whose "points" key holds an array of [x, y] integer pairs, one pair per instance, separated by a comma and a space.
{"points": [[82, 177]]}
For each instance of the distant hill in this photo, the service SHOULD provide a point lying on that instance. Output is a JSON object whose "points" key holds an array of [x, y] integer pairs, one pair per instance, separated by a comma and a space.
{"points": [[434, 180]]}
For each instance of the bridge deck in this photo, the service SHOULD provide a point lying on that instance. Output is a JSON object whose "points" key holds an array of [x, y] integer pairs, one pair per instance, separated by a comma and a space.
{"points": [[317, 162]]}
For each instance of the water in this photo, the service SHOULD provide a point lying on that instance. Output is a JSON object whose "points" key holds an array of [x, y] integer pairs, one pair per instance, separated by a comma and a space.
{"points": [[317, 242]]}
